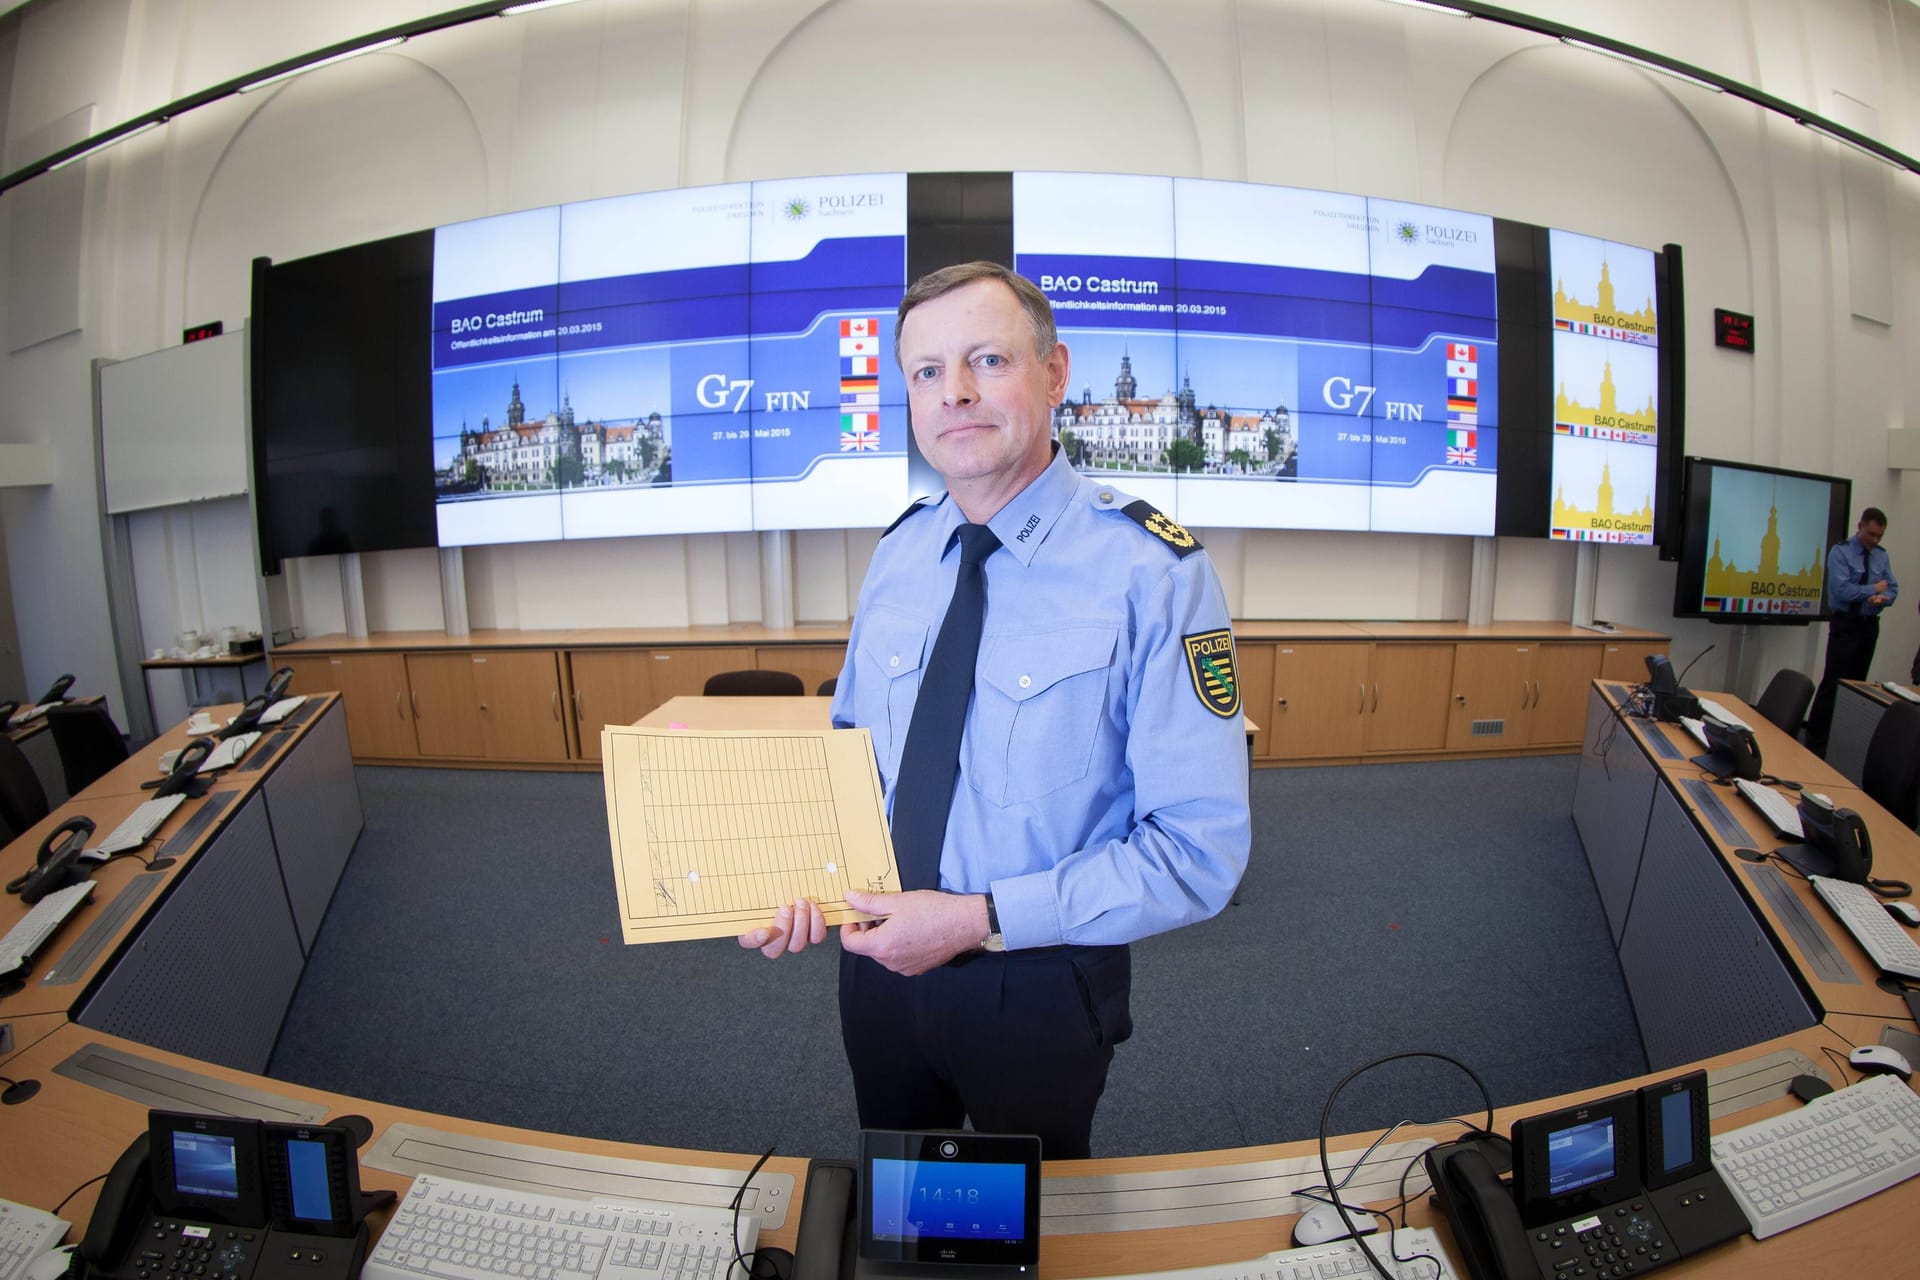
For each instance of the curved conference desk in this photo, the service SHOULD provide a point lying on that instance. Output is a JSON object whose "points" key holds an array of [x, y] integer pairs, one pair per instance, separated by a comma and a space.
{"points": [[174, 1003]]}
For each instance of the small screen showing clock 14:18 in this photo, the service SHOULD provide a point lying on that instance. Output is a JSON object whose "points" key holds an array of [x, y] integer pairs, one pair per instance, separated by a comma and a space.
{"points": [[913, 1199]]}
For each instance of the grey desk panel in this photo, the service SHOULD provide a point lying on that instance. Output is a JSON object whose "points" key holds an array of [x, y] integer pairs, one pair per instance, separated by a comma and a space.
{"points": [[1855, 717], [174, 1088], [1612, 796], [44, 756], [1700, 967], [210, 974], [313, 805]]}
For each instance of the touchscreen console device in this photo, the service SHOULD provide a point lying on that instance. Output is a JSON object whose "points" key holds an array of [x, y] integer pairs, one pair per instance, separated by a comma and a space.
{"points": [[948, 1204]]}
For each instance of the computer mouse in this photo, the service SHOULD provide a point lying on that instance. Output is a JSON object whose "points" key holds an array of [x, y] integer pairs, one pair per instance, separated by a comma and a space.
{"points": [[1878, 1059], [1322, 1223], [1905, 912]]}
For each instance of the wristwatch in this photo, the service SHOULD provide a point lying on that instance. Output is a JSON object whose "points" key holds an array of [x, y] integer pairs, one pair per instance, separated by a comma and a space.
{"points": [[993, 941]]}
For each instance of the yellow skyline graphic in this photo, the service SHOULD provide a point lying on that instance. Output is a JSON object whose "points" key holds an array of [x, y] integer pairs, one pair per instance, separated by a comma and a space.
{"points": [[1766, 578], [1605, 515], [1607, 414], [1605, 308]]}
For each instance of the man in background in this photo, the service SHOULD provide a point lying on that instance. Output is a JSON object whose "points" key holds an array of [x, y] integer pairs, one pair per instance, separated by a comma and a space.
{"points": [[1088, 786], [1860, 586]]}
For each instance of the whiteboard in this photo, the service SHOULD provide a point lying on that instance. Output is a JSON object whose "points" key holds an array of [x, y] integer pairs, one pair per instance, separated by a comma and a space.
{"points": [[173, 425]]}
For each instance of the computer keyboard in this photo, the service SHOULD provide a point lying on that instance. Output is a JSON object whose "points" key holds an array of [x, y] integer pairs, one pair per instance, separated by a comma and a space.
{"points": [[23, 940], [1900, 691], [1879, 935], [138, 825], [228, 753], [1783, 813], [1724, 716], [282, 709], [1836, 1150], [1339, 1259], [453, 1230], [25, 1234]]}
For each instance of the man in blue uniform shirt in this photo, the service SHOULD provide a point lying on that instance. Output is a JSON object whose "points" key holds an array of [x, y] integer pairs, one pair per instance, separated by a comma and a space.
{"points": [[1101, 793], [1860, 585]]}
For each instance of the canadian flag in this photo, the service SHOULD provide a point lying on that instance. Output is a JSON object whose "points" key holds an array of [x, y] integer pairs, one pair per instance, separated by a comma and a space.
{"points": [[1462, 351], [859, 328]]}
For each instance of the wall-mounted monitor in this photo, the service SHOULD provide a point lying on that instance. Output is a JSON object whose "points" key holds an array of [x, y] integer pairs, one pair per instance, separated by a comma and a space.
{"points": [[721, 359], [1755, 542]]}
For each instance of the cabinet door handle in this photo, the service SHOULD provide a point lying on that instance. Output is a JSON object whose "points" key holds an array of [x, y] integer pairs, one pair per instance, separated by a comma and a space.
{"points": [[414, 695], [397, 712], [1376, 696], [1363, 701], [556, 704], [1282, 702], [576, 705]]}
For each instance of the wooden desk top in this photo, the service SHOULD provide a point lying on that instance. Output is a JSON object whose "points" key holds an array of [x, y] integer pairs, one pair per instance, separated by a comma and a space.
{"points": [[211, 660], [1896, 850], [108, 802]]}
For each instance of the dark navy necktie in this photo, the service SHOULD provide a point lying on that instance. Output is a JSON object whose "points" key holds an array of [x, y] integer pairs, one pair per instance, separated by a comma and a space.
{"points": [[930, 761]]}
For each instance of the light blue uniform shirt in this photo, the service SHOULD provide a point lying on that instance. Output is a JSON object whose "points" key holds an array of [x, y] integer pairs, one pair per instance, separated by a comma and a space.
{"points": [[1101, 798], [1844, 588]]}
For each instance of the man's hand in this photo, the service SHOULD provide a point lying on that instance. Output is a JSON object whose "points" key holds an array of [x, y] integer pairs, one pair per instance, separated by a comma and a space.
{"points": [[793, 929], [917, 931], [1880, 587]]}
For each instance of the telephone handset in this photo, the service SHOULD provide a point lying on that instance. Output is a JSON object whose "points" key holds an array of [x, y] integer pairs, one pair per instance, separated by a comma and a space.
{"points": [[57, 692], [184, 777], [1839, 833], [1486, 1222], [249, 717], [277, 685], [56, 866]]}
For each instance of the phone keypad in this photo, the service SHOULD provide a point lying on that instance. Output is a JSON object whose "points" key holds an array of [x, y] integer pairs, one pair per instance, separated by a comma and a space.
{"points": [[1619, 1241], [173, 1249]]}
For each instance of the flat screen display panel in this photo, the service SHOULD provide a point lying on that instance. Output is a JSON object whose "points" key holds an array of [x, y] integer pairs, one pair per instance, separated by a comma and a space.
{"points": [[1267, 357], [1756, 542], [700, 360], [1606, 380]]}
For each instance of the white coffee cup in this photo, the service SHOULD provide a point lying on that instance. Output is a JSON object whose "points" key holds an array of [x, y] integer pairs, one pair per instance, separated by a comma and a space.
{"points": [[199, 722]]}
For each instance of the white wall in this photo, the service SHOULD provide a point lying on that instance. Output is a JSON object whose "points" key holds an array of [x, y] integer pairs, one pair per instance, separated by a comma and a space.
{"points": [[623, 95]]}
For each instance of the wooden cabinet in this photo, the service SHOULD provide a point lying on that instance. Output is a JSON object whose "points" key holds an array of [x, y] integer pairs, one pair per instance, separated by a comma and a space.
{"points": [[1520, 695], [520, 712], [1407, 688], [373, 689], [813, 663], [1318, 705], [502, 704], [1562, 676], [618, 686]]}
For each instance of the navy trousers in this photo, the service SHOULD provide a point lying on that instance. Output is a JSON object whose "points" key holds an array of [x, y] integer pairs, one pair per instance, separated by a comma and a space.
{"points": [[1013, 1041]]}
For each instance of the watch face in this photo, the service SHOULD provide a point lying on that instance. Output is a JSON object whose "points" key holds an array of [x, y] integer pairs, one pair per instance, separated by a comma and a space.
{"points": [[994, 942]]}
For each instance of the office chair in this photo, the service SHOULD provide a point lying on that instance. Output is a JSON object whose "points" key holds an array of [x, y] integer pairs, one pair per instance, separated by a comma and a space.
{"points": [[88, 741], [1785, 701], [749, 684], [827, 686], [23, 801], [1892, 771]]}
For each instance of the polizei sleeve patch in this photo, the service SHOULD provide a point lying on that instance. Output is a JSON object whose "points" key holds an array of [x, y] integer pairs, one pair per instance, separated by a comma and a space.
{"points": [[1210, 662]]}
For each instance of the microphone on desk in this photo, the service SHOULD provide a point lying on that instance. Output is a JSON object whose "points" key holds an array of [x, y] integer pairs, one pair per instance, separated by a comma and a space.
{"points": [[1681, 679], [17, 1091]]}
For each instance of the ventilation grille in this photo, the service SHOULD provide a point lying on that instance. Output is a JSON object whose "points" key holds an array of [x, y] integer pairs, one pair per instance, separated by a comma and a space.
{"points": [[1489, 728]]}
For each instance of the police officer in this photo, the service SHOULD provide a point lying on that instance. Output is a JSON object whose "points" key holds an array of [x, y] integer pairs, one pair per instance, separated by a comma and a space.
{"points": [[1860, 586], [1102, 773]]}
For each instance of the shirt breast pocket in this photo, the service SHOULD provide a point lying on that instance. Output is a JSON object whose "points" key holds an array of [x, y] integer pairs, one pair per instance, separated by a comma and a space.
{"points": [[891, 648], [1037, 709]]}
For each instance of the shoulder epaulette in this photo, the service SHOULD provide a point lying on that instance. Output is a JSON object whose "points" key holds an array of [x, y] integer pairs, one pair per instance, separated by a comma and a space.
{"points": [[920, 504], [1149, 517]]}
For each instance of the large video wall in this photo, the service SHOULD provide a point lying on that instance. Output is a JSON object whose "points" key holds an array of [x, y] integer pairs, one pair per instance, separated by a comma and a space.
{"points": [[721, 359]]}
